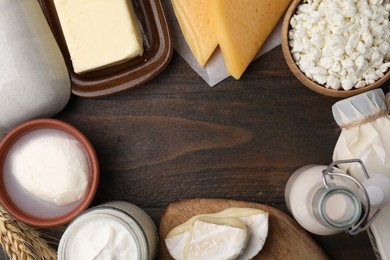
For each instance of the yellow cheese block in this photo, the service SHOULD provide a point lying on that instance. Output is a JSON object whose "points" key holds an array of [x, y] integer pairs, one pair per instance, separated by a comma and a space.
{"points": [[195, 23], [242, 26], [99, 33]]}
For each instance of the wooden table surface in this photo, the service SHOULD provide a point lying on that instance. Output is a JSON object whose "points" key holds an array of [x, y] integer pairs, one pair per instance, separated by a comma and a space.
{"points": [[176, 138]]}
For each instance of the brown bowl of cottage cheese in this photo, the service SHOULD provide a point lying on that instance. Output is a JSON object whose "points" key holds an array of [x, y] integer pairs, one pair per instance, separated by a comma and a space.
{"points": [[338, 48]]}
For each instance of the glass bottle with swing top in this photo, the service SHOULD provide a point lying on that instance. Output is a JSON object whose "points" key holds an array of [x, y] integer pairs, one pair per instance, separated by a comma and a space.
{"points": [[325, 200]]}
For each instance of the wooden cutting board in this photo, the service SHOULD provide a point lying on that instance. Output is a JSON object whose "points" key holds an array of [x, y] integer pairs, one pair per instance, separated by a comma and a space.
{"points": [[286, 239]]}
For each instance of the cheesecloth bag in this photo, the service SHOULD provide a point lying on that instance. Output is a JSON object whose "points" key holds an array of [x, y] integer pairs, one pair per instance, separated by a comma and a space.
{"points": [[365, 134]]}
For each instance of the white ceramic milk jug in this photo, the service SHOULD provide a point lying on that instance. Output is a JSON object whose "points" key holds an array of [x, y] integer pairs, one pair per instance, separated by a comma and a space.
{"points": [[34, 80]]}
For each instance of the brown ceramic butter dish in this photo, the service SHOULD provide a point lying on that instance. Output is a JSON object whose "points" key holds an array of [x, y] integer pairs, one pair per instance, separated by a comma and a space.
{"points": [[130, 74]]}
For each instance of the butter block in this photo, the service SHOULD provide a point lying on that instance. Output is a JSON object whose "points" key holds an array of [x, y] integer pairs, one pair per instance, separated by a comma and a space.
{"points": [[241, 28], [195, 24], [99, 33]]}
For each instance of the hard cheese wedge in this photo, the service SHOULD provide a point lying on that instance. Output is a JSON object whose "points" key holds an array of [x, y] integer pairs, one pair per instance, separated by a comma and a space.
{"points": [[179, 239], [99, 33], [242, 26], [195, 23]]}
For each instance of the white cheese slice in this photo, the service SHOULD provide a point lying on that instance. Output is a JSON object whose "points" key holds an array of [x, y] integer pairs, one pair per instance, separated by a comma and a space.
{"points": [[258, 231], [255, 220], [211, 241], [178, 241], [176, 244]]}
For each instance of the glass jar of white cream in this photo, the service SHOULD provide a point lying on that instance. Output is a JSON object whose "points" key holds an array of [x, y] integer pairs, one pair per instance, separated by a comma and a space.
{"points": [[114, 230]]}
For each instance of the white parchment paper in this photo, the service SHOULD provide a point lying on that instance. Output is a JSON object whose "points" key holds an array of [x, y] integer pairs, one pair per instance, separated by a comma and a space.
{"points": [[215, 70]]}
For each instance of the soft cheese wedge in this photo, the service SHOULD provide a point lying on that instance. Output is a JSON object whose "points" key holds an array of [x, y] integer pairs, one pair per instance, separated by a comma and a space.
{"points": [[257, 225], [256, 221], [242, 26], [99, 33], [178, 241], [216, 242], [195, 23], [192, 239]]}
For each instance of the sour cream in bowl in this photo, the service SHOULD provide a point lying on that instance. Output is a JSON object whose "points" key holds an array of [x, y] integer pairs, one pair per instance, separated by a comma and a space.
{"points": [[48, 172]]}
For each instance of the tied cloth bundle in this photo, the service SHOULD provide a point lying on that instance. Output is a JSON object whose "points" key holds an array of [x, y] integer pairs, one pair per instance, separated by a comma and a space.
{"points": [[22, 242], [365, 123], [370, 118]]}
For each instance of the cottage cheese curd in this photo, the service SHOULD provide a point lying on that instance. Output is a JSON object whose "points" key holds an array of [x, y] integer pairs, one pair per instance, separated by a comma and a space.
{"points": [[342, 44]]}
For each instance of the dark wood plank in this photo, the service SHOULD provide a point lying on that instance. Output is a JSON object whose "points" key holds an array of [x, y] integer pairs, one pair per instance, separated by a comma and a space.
{"points": [[176, 138]]}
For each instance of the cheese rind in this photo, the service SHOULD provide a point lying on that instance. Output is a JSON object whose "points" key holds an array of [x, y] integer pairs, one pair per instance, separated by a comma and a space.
{"points": [[257, 225], [227, 213], [195, 24], [177, 244], [211, 218], [179, 239], [192, 240], [99, 33], [241, 27], [211, 241]]}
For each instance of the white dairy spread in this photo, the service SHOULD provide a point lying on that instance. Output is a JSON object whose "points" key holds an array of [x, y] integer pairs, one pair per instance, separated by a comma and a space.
{"points": [[51, 166], [101, 238]]}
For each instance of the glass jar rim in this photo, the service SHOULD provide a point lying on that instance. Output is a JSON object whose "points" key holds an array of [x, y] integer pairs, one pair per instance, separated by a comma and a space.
{"points": [[115, 214], [321, 198]]}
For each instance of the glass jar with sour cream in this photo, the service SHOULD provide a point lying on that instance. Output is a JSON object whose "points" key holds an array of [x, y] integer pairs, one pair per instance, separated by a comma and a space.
{"points": [[114, 230]]}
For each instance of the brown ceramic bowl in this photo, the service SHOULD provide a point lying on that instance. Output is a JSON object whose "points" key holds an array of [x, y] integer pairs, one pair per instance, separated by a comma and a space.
{"points": [[58, 215], [303, 78], [133, 73]]}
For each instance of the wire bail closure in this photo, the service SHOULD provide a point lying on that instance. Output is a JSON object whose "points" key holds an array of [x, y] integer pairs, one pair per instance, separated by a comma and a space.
{"points": [[364, 221]]}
